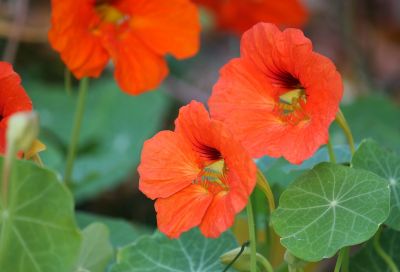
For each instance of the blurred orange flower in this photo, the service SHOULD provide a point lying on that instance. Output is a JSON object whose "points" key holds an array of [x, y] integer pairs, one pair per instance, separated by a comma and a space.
{"points": [[279, 98], [13, 99], [239, 15], [135, 34], [199, 174]]}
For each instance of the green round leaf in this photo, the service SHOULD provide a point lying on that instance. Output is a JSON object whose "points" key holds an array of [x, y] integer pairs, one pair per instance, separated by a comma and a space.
{"points": [[191, 253], [372, 157], [96, 251], [330, 207], [37, 228]]}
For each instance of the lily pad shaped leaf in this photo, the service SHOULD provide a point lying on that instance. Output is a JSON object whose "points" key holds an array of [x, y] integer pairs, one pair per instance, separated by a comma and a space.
{"points": [[96, 250], [37, 227], [192, 252], [328, 208], [372, 157]]}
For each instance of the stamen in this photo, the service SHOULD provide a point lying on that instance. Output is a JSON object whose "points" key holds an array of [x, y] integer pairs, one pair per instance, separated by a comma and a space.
{"points": [[212, 176], [110, 14]]}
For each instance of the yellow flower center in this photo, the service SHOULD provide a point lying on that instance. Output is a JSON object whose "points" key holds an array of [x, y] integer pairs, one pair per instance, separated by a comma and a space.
{"points": [[213, 176], [290, 106], [292, 100], [110, 14]]}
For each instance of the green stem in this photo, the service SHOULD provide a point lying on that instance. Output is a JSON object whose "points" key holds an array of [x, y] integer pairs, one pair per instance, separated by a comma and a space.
{"points": [[377, 246], [331, 152], [68, 81], [341, 120], [7, 164], [83, 88], [265, 263], [263, 185], [341, 260], [252, 237]]}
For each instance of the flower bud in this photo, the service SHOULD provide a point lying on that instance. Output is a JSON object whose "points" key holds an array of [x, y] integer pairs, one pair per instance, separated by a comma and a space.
{"points": [[22, 131]]}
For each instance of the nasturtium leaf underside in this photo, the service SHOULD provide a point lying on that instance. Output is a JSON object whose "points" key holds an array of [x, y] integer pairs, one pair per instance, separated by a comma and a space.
{"points": [[330, 207], [372, 157], [121, 231], [37, 228], [367, 260], [96, 251], [191, 252]]}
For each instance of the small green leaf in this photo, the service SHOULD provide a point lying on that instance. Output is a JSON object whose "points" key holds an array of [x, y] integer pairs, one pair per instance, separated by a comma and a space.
{"points": [[121, 231], [367, 260], [330, 207], [372, 157], [192, 252], [37, 227], [96, 251]]}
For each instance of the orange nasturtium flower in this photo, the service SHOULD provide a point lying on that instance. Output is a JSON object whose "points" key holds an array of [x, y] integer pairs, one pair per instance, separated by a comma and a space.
{"points": [[13, 99], [199, 174], [134, 34], [239, 15], [279, 98]]}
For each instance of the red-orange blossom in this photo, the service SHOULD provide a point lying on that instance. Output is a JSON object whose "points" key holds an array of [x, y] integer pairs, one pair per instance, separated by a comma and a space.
{"points": [[199, 174]]}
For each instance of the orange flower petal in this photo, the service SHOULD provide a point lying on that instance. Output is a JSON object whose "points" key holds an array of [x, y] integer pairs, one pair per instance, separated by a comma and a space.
{"points": [[137, 68], [72, 35], [168, 165], [247, 95], [166, 27], [240, 15], [183, 210], [219, 217], [239, 93]]}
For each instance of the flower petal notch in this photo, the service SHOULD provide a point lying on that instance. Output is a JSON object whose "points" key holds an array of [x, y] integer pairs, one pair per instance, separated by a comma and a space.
{"points": [[13, 99], [134, 34], [239, 15], [279, 98], [199, 174]]}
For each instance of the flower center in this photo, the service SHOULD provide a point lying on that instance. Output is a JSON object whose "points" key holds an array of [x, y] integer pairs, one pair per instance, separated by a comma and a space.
{"points": [[212, 177], [110, 14], [292, 101], [290, 106]]}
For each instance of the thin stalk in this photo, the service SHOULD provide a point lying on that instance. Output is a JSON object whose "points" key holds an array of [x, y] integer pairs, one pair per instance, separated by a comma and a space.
{"points": [[263, 184], [378, 248], [339, 260], [331, 152], [83, 88], [342, 122], [252, 236], [342, 262], [68, 81], [265, 263], [7, 164]]}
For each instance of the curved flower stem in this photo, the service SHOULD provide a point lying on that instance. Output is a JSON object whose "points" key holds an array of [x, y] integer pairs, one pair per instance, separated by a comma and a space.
{"points": [[263, 184], [331, 152], [252, 237], [378, 248], [83, 88], [265, 263], [341, 120]]}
